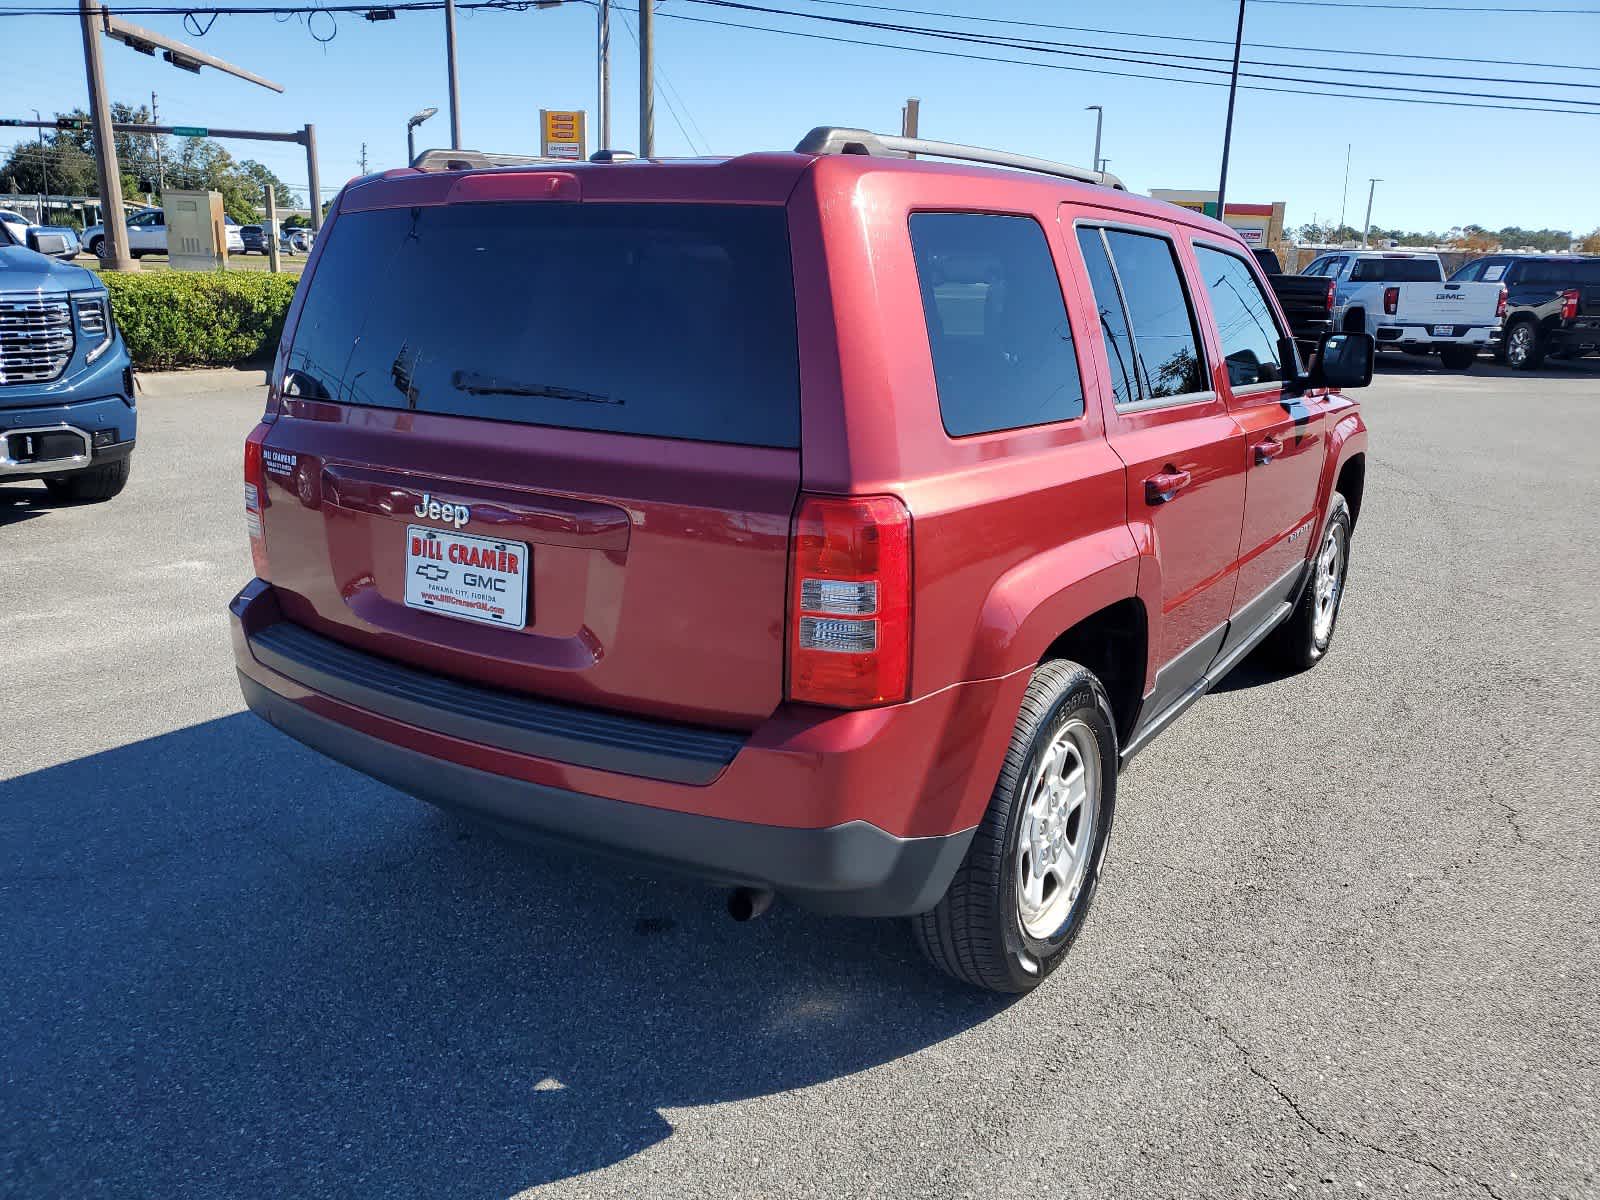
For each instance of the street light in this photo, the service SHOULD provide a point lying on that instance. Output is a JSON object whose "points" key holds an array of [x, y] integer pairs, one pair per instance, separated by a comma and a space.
{"points": [[411, 125], [1099, 120]]}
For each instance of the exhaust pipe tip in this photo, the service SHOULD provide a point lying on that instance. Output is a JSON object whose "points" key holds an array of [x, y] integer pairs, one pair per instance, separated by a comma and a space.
{"points": [[746, 904]]}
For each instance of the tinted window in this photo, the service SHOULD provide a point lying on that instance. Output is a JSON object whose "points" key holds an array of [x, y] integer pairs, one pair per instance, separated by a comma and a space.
{"points": [[1158, 310], [1396, 270], [1567, 274], [1245, 324], [997, 326], [1113, 320], [669, 320]]}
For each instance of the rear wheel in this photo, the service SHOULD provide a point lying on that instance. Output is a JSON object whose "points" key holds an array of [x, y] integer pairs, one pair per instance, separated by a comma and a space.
{"points": [[1524, 346], [1459, 358], [1303, 639], [97, 246], [1020, 897], [91, 484]]}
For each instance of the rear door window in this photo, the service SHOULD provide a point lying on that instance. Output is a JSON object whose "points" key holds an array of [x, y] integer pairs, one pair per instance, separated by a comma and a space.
{"points": [[997, 326], [665, 320], [1113, 317], [1164, 333], [1247, 329]]}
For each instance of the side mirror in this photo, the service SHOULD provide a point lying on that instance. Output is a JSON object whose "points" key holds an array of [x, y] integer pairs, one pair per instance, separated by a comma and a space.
{"points": [[47, 241], [1344, 360]]}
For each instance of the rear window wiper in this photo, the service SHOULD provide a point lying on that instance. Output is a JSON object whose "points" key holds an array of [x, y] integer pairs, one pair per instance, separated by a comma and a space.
{"points": [[475, 384]]}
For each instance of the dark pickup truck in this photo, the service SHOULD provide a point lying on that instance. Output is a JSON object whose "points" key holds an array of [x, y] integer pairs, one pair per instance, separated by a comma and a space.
{"points": [[1551, 305], [1307, 300]]}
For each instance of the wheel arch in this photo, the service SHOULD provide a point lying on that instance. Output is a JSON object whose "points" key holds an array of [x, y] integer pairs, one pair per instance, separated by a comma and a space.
{"points": [[1351, 484], [1114, 643]]}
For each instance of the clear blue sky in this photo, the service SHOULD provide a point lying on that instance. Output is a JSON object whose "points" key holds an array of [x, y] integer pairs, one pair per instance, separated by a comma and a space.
{"points": [[737, 90]]}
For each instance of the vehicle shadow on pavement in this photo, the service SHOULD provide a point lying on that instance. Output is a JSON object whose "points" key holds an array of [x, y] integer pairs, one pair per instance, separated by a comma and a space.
{"points": [[234, 968], [20, 503]]}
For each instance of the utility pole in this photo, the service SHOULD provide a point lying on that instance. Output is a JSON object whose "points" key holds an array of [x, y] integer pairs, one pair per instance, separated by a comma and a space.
{"points": [[273, 263], [455, 92], [44, 165], [116, 256], [1366, 229], [910, 117], [647, 79], [1099, 121], [313, 177], [155, 140], [1227, 133], [603, 107], [1344, 197]]}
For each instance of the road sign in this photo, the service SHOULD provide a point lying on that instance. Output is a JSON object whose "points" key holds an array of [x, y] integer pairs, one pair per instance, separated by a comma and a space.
{"points": [[561, 134], [190, 130]]}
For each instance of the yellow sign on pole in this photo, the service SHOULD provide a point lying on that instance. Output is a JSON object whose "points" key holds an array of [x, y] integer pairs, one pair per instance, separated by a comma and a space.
{"points": [[561, 134]]}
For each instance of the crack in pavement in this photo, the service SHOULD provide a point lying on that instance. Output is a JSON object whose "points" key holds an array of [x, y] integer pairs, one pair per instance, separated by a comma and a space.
{"points": [[1327, 1133]]}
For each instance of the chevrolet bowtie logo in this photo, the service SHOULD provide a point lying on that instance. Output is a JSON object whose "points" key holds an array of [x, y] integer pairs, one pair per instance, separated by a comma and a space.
{"points": [[432, 572]]}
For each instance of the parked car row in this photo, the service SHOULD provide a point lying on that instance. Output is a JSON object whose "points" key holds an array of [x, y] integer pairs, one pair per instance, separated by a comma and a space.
{"points": [[147, 234], [1521, 308], [290, 241]]}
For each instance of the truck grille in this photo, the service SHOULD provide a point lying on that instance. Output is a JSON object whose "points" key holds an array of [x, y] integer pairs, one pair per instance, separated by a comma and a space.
{"points": [[35, 338]]}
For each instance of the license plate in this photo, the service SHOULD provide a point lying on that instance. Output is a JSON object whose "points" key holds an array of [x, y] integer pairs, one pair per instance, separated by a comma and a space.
{"points": [[475, 578], [1444, 331]]}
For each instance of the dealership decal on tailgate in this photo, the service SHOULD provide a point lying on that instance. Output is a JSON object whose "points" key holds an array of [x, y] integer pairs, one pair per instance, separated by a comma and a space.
{"points": [[477, 578]]}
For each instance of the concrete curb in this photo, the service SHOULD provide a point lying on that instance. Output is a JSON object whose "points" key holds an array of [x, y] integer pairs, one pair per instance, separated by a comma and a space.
{"points": [[156, 385]]}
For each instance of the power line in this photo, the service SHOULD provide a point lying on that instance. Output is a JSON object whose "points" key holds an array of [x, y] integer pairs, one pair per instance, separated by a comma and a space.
{"points": [[660, 91], [1203, 41], [1121, 54]]}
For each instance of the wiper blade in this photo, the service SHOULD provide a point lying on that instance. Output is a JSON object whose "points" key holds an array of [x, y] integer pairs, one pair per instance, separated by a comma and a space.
{"points": [[475, 384]]}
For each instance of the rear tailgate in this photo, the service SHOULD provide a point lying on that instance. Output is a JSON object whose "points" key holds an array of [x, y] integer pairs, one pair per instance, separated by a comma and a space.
{"points": [[550, 446], [1447, 304]]}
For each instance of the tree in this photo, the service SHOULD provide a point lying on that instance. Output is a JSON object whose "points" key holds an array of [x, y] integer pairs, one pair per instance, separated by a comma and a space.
{"points": [[1591, 244]]}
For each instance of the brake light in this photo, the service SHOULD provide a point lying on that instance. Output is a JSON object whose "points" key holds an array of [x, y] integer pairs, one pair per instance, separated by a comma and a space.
{"points": [[849, 633], [1500, 304], [255, 497], [1327, 302], [1391, 300], [1569, 304]]}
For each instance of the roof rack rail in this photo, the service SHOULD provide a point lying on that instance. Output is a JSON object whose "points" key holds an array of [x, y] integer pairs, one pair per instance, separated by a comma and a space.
{"points": [[831, 139], [474, 160]]}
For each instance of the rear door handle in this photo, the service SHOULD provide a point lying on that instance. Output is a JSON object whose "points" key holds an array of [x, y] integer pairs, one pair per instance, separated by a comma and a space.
{"points": [[1164, 485], [1268, 450]]}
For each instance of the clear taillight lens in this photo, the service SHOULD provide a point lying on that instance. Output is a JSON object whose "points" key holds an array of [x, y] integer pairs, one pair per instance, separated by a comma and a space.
{"points": [[255, 498], [850, 602], [1391, 300], [1569, 304], [1500, 304]]}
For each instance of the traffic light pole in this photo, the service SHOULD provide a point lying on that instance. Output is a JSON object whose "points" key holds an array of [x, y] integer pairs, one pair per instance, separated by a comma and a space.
{"points": [[112, 218]]}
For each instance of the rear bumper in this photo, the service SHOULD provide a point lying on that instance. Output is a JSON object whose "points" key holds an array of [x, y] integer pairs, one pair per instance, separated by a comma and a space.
{"points": [[1423, 335], [1583, 339], [839, 861]]}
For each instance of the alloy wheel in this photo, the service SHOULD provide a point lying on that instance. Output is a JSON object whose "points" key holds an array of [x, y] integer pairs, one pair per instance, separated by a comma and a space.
{"points": [[1056, 838]]}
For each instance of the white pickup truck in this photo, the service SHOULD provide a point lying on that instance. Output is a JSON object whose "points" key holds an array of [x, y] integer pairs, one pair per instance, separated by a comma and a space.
{"points": [[1403, 301]]}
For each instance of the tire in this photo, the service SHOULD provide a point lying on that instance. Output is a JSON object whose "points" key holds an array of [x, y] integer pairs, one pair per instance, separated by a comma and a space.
{"points": [[984, 931], [97, 245], [92, 484], [1459, 358], [1525, 347], [1303, 639], [1355, 321]]}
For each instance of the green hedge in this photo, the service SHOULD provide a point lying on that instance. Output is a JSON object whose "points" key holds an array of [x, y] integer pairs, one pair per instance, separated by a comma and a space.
{"points": [[176, 319]]}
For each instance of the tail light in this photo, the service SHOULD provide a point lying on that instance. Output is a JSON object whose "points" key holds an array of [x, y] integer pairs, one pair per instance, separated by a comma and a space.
{"points": [[1500, 304], [255, 497], [1569, 304], [1327, 302], [849, 632], [1391, 300]]}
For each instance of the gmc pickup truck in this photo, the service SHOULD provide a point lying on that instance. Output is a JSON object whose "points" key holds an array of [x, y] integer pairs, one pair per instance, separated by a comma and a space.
{"points": [[1403, 301], [66, 385]]}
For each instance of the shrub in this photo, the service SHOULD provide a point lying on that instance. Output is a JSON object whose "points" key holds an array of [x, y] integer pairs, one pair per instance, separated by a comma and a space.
{"points": [[221, 319]]}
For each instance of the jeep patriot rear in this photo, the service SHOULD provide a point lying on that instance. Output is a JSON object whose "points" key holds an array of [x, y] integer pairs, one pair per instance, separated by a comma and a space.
{"points": [[826, 523]]}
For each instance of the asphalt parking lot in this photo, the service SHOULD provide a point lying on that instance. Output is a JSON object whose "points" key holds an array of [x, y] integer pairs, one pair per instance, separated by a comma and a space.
{"points": [[1348, 942]]}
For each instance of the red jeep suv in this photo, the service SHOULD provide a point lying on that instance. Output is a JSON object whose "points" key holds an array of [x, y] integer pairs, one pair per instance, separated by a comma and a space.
{"points": [[833, 523]]}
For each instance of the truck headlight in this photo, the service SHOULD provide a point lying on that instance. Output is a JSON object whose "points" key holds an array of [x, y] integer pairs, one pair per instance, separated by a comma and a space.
{"points": [[94, 321]]}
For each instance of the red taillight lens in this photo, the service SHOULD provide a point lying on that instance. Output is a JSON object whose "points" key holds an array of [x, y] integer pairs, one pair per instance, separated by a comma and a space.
{"points": [[1500, 304], [1391, 300], [1328, 301], [850, 601], [255, 497], [1569, 304]]}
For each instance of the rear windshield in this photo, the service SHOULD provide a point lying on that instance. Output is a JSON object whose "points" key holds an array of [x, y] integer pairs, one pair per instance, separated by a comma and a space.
{"points": [[1396, 270], [1572, 274], [667, 320]]}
